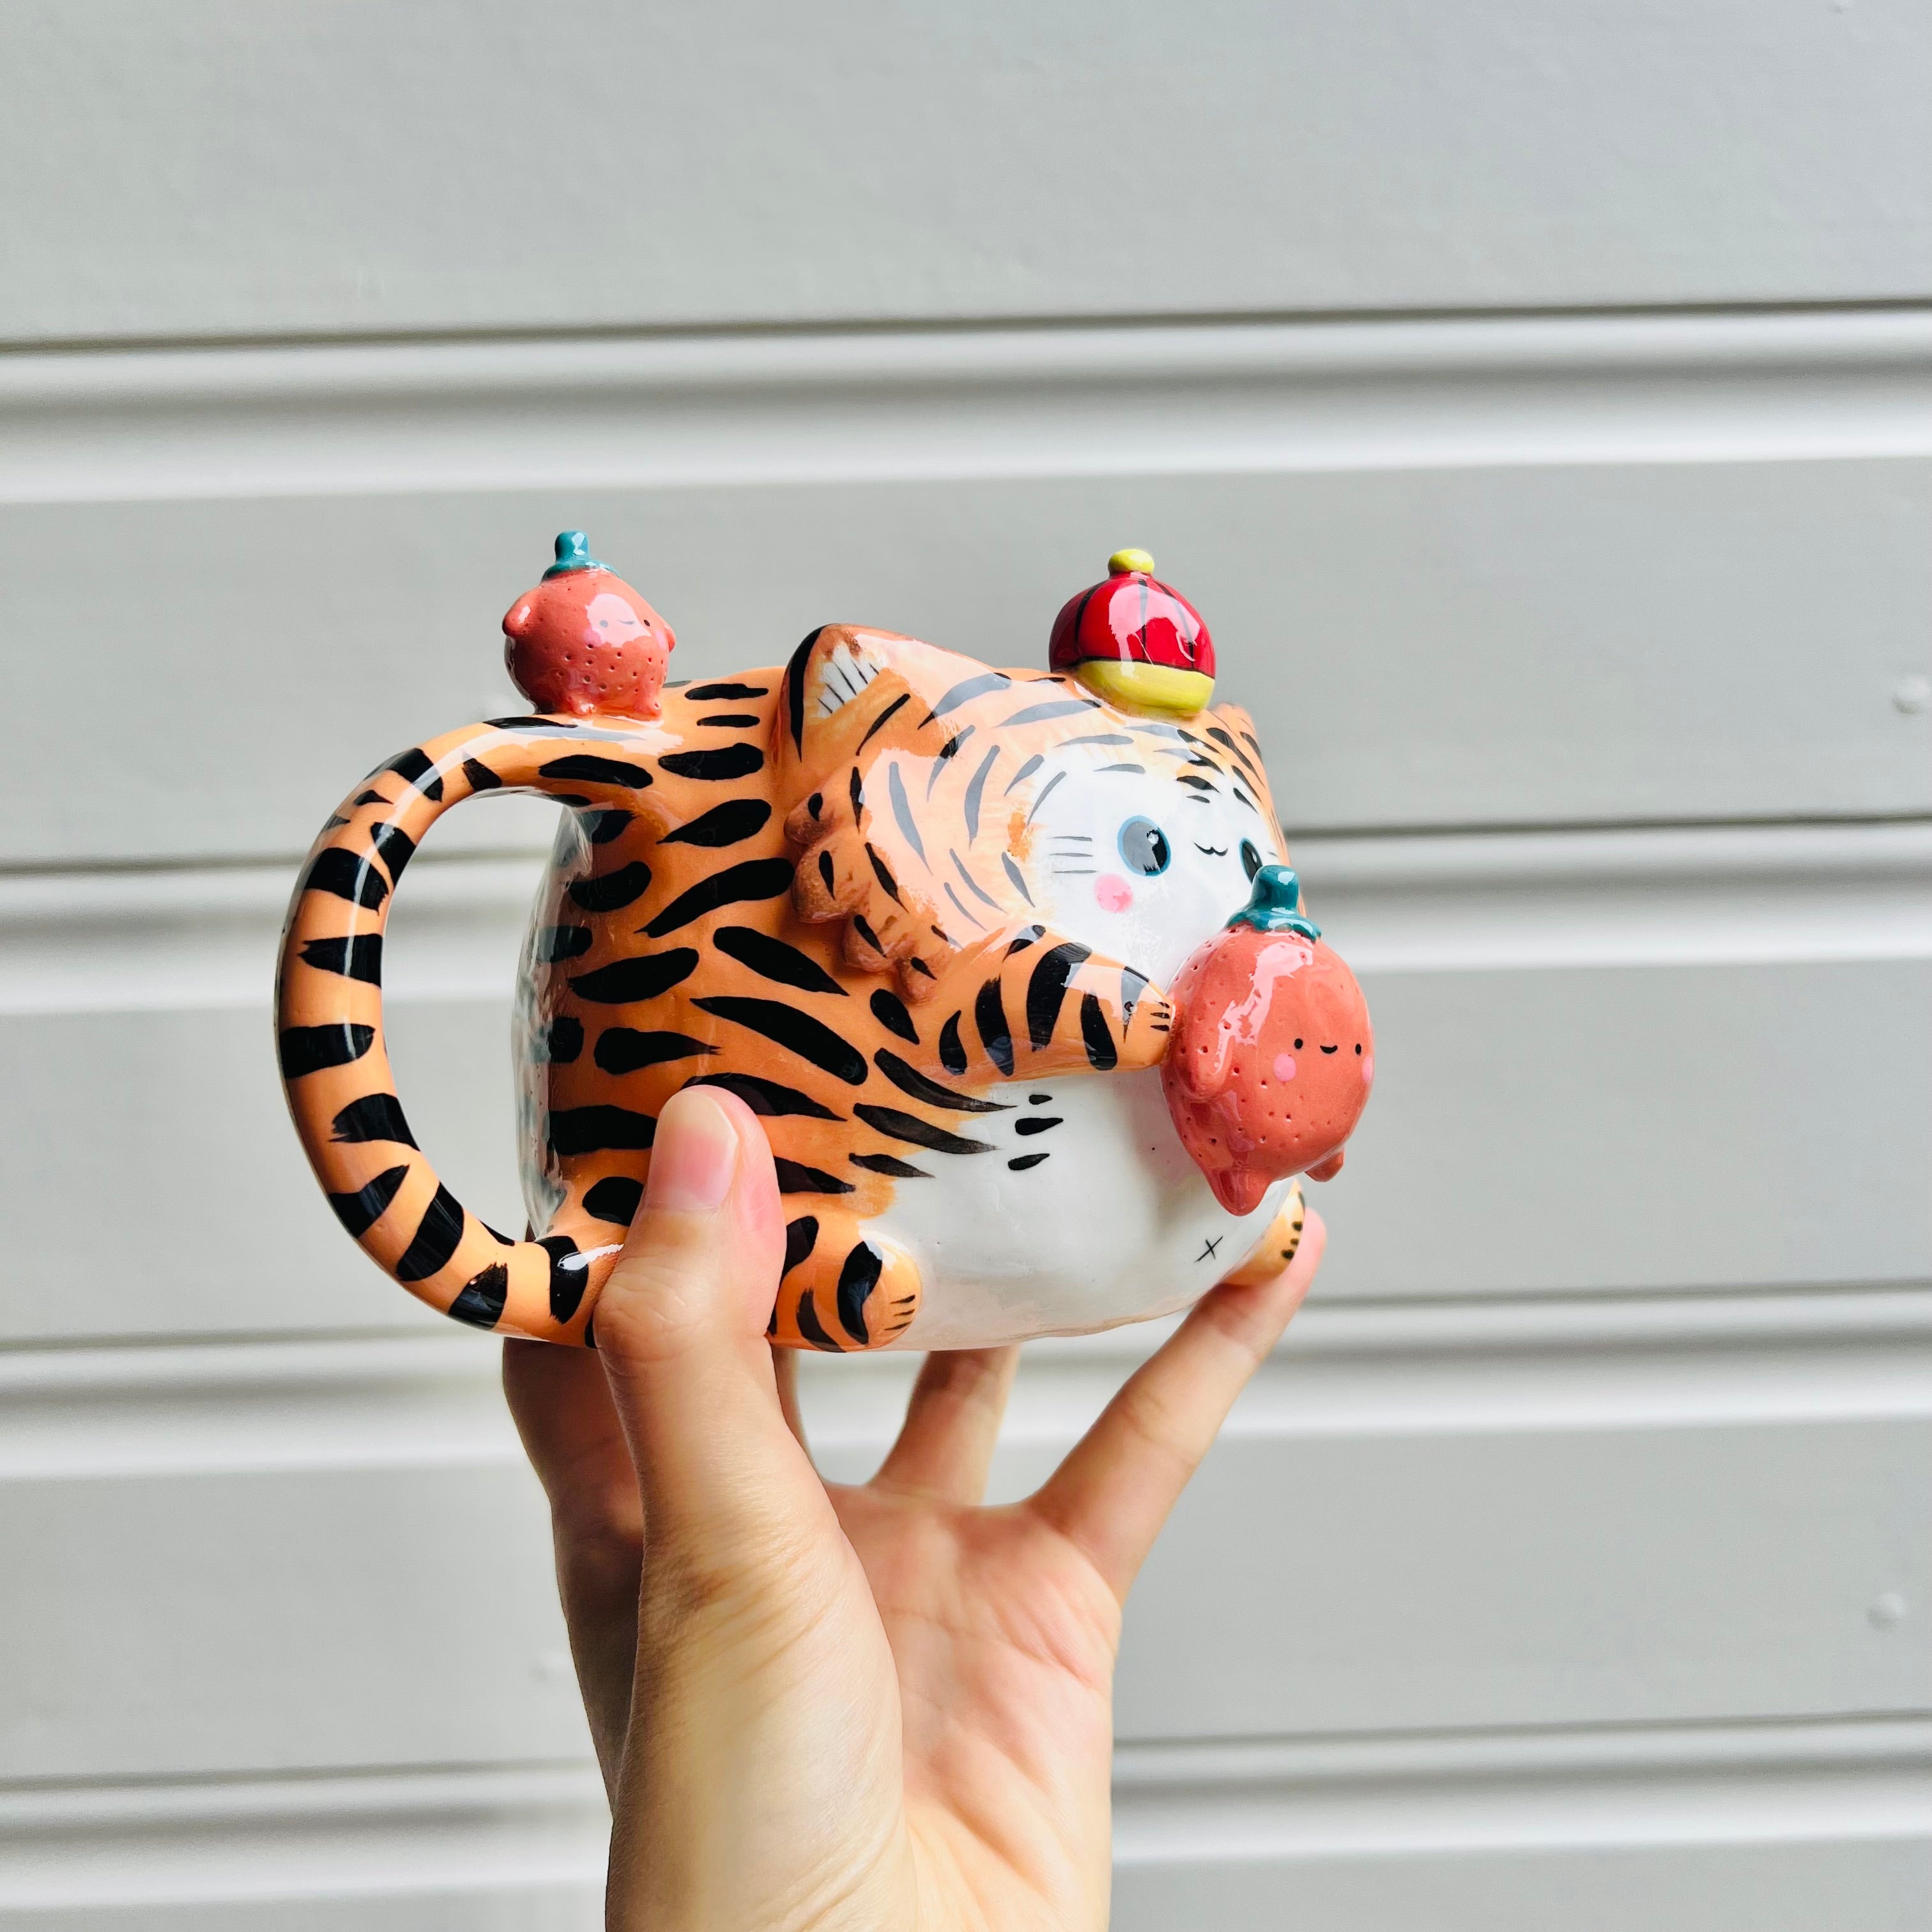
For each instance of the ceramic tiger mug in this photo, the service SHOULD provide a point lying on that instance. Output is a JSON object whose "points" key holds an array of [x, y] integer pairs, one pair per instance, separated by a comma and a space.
{"points": [[1009, 962]]}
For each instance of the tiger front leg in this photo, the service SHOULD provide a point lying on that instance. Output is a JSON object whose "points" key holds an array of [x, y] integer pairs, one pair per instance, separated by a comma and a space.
{"points": [[1038, 1004], [843, 1289]]}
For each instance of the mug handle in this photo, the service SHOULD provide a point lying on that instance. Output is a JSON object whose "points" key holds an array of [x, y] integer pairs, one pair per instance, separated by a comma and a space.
{"points": [[328, 1020]]}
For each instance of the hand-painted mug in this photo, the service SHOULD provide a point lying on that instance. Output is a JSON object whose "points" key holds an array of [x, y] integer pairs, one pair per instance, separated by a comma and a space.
{"points": [[1009, 962]]}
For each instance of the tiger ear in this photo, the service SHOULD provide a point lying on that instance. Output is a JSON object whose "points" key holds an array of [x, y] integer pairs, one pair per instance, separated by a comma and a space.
{"points": [[860, 728], [1234, 732]]}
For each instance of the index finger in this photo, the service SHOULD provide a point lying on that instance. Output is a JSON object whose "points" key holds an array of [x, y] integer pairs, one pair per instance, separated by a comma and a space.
{"points": [[1114, 1492]]}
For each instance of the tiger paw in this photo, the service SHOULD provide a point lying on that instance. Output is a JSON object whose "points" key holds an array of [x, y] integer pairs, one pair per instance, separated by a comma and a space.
{"points": [[843, 1289], [1275, 1249], [1149, 1027]]}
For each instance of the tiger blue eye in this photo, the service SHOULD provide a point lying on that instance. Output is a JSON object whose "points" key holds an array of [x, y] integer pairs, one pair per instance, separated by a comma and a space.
{"points": [[1251, 859], [1144, 847]]}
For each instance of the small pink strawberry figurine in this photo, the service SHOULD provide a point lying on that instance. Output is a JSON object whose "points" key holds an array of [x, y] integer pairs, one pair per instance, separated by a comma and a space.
{"points": [[584, 641], [1272, 1055]]}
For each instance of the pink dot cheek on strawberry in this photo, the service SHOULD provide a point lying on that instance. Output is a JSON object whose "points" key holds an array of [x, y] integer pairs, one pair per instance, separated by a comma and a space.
{"points": [[1113, 892], [1368, 1069], [1284, 1066]]}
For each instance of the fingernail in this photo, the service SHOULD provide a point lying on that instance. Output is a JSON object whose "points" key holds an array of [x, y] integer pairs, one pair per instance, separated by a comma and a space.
{"points": [[693, 1157]]}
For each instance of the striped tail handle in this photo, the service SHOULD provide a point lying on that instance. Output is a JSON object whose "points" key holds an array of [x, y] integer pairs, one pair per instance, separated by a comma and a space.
{"points": [[328, 1017]]}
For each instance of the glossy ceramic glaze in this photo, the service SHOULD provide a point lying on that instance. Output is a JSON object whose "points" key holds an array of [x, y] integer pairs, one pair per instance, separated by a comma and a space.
{"points": [[921, 914]]}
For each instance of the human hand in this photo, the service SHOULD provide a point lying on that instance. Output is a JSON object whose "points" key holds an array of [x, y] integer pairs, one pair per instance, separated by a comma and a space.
{"points": [[818, 1706]]}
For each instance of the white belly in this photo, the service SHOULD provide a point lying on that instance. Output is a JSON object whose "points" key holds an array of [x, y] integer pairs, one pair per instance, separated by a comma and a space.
{"points": [[1115, 1225]]}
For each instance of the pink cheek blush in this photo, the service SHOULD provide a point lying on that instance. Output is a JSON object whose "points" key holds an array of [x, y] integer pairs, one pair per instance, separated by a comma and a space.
{"points": [[1113, 892], [1368, 1069], [1284, 1066]]}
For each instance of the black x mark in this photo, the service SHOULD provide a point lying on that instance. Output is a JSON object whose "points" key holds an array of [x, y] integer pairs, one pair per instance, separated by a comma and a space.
{"points": [[1208, 1253]]}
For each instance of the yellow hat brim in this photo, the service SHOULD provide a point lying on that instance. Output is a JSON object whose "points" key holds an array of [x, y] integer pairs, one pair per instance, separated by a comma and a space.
{"points": [[1157, 690]]}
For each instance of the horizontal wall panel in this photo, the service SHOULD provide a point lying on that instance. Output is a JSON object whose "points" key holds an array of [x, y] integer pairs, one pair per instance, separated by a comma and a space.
{"points": [[1432, 647], [1629, 1062], [349, 169], [1765, 1828], [1422, 1522]]}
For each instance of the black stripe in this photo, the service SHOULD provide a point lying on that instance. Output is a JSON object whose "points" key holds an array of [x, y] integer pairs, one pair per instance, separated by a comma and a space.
{"points": [[891, 1164], [801, 1238], [563, 942], [990, 1016], [561, 1042], [798, 1033], [413, 765], [615, 1199], [889, 1010], [611, 891], [309, 1049], [349, 875], [730, 720], [706, 694], [1037, 1123], [947, 752], [622, 1049], [855, 790], [902, 812], [362, 798], [394, 848], [774, 959], [480, 1304], [767, 1096], [1028, 936], [881, 871], [795, 687], [904, 697], [951, 1049], [438, 1233], [1199, 784], [360, 958], [725, 761], [825, 872], [795, 1178], [856, 1280], [752, 879], [529, 721], [600, 827], [909, 1080], [863, 929], [376, 1117], [568, 1278], [964, 692], [358, 1212], [1047, 988], [1038, 714], [909, 1127], [1022, 1163], [599, 1130], [810, 1327], [643, 977], [1013, 873], [589, 769], [1100, 1043], [723, 824], [975, 786]]}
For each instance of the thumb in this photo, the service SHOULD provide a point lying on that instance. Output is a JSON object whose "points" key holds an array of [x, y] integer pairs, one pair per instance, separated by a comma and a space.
{"points": [[681, 1331]]}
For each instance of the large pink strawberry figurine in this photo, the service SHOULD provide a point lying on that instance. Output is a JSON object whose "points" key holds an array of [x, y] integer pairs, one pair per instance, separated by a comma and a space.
{"points": [[1272, 1054]]}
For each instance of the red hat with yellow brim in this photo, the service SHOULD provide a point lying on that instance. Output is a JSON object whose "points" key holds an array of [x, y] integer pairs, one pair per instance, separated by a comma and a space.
{"points": [[1136, 642]]}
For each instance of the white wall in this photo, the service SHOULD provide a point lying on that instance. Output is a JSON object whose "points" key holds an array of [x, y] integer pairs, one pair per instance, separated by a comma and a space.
{"points": [[1539, 402]]}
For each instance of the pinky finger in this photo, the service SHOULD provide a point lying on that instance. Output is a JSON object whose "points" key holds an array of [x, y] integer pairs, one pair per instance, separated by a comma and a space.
{"points": [[1114, 1493]]}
